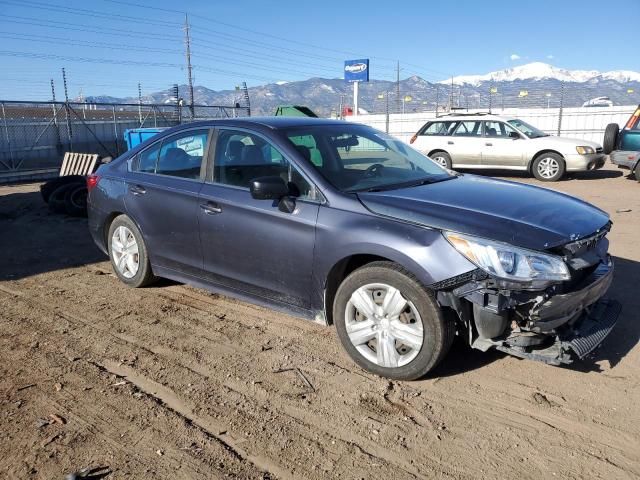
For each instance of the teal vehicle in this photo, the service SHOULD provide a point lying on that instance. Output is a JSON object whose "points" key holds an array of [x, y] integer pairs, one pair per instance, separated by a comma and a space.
{"points": [[623, 146]]}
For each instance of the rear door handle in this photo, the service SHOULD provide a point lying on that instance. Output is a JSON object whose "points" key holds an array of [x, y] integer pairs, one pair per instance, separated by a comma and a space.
{"points": [[489, 144], [449, 142], [211, 208], [137, 190]]}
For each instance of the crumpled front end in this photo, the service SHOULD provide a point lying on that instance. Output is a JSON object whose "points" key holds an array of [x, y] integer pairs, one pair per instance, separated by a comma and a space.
{"points": [[553, 323]]}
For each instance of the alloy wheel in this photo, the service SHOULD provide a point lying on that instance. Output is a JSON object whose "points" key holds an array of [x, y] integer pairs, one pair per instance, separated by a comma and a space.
{"points": [[124, 251], [383, 325], [548, 167]]}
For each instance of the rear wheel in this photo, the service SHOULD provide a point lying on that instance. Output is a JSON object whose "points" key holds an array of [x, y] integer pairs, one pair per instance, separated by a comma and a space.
{"points": [[128, 253], [610, 138], [442, 158], [637, 172], [75, 201], [389, 324], [549, 167]]}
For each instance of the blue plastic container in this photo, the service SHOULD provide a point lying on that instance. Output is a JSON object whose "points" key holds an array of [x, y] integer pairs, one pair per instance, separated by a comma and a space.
{"points": [[135, 136]]}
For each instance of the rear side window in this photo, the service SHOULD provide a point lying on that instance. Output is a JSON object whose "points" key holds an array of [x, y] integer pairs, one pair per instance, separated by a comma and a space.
{"points": [[468, 129], [439, 128], [146, 161], [181, 155]]}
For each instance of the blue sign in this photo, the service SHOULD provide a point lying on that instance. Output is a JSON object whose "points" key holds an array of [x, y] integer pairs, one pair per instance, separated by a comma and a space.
{"points": [[356, 70]]}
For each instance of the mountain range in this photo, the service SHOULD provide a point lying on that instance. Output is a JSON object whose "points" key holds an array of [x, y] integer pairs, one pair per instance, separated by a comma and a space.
{"points": [[532, 85]]}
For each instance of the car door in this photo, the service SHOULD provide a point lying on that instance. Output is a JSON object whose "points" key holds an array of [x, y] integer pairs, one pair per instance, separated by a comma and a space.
{"points": [[251, 245], [465, 144], [162, 190], [503, 146]]}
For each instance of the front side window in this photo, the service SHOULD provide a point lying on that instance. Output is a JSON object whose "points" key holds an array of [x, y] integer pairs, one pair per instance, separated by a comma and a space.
{"points": [[359, 158], [468, 129], [243, 156], [181, 155], [146, 161], [494, 129]]}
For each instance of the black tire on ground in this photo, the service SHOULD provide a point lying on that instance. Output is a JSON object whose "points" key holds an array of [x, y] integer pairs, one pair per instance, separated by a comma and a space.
{"points": [[75, 200], [545, 158], [46, 189], [441, 158], [439, 331], [610, 138], [57, 198], [144, 276], [637, 172]]}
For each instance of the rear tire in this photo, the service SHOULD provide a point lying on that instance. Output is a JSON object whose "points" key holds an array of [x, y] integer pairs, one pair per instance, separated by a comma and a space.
{"points": [[637, 172], [400, 346], [128, 253], [442, 158], [548, 167], [610, 138], [46, 189]]}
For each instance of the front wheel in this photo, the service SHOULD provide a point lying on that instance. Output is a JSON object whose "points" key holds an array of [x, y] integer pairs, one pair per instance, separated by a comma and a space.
{"points": [[389, 324], [549, 167], [443, 159]]}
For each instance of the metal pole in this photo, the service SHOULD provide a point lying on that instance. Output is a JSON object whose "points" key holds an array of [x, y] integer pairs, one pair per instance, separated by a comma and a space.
{"points": [[6, 134], [437, 99], [66, 110], [561, 106], [355, 99], [55, 118], [115, 129], [386, 95], [140, 103], [398, 87]]}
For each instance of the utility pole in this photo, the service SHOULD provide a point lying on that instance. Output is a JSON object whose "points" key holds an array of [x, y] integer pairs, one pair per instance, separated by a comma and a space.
{"points": [[451, 96], [386, 123], [189, 68], [140, 103], [247, 101], [437, 99], [66, 109], [398, 87]]}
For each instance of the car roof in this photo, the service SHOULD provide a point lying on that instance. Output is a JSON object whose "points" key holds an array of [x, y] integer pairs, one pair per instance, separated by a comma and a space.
{"points": [[274, 123]]}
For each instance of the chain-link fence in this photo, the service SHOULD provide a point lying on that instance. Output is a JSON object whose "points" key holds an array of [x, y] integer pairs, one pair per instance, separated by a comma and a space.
{"points": [[35, 135]]}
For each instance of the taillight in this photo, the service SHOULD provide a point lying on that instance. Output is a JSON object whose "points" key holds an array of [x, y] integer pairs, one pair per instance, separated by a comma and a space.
{"points": [[413, 139], [92, 181], [633, 120]]}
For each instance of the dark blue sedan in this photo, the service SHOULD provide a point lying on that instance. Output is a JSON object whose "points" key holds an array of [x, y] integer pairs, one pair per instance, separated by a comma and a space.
{"points": [[343, 224]]}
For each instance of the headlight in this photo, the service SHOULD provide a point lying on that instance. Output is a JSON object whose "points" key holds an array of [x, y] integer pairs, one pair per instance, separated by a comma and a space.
{"points": [[508, 262], [585, 150]]}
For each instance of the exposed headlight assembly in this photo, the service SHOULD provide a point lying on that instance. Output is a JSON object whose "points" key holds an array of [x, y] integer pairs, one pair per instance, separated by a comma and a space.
{"points": [[585, 150], [508, 262]]}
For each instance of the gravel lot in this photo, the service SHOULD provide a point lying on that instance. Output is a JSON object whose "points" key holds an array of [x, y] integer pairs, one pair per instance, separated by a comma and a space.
{"points": [[174, 382]]}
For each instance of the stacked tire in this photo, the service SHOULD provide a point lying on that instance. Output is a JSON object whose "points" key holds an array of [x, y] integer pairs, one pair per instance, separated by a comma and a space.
{"points": [[66, 195]]}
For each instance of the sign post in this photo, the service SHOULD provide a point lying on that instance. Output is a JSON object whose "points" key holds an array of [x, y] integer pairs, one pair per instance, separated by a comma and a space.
{"points": [[356, 71]]}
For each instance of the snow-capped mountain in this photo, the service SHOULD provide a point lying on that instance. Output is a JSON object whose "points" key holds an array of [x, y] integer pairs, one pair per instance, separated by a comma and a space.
{"points": [[543, 71]]}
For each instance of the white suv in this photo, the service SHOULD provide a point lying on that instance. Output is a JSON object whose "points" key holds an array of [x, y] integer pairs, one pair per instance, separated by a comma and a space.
{"points": [[489, 141]]}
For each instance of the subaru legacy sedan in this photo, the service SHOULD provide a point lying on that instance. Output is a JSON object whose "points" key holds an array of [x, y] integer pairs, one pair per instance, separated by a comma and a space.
{"points": [[342, 224]]}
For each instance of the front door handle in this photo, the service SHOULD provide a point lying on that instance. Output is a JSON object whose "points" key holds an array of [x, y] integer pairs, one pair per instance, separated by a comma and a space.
{"points": [[137, 190], [449, 142], [211, 208], [489, 144]]}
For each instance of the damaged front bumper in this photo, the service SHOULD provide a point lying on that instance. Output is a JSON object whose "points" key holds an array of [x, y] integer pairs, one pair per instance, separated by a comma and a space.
{"points": [[550, 325]]}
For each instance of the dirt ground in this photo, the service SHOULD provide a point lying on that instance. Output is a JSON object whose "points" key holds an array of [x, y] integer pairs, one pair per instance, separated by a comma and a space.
{"points": [[174, 382]]}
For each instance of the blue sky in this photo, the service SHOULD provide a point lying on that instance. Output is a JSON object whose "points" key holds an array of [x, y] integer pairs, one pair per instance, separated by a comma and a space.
{"points": [[108, 46]]}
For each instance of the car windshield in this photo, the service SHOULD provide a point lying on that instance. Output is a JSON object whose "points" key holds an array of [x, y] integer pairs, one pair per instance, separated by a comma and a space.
{"points": [[529, 130], [357, 158]]}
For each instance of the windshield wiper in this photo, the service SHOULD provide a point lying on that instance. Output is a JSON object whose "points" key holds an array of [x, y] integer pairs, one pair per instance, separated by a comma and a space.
{"points": [[410, 184]]}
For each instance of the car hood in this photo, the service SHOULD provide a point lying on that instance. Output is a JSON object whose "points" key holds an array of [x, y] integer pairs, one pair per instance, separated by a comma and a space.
{"points": [[565, 144], [522, 215]]}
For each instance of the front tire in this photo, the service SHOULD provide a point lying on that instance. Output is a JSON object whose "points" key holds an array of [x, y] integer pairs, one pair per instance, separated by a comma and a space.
{"points": [[128, 253], [549, 167], [637, 172], [389, 324]]}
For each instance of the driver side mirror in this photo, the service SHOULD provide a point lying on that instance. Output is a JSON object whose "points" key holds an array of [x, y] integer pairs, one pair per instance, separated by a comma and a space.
{"points": [[514, 135], [268, 188]]}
